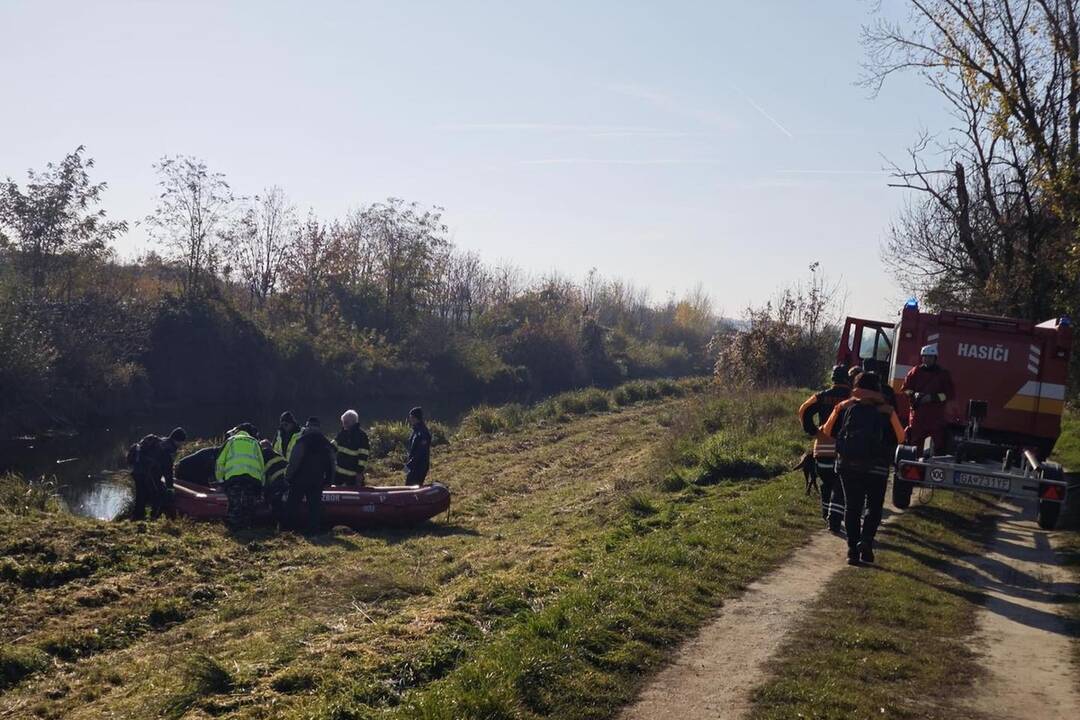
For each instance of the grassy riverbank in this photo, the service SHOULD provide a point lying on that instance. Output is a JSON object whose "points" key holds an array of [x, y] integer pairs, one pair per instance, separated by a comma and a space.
{"points": [[559, 578]]}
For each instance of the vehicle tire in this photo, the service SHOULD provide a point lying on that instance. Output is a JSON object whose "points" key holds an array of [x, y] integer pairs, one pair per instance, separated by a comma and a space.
{"points": [[1050, 511], [1048, 514], [901, 489], [901, 493]]}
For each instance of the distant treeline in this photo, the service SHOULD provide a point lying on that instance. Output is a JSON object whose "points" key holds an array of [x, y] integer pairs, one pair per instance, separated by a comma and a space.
{"points": [[240, 300]]}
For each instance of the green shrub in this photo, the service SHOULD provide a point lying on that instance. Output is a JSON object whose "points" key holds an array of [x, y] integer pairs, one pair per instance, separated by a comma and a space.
{"points": [[544, 411], [165, 611], [640, 504], [203, 676], [293, 680], [584, 401], [388, 438], [514, 415], [42, 574], [622, 396], [391, 438], [666, 387], [22, 497], [483, 420], [18, 662], [440, 434], [673, 482]]}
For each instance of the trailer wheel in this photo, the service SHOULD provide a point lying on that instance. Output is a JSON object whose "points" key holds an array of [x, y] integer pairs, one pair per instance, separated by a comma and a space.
{"points": [[901, 489], [1049, 511], [1048, 514], [901, 493]]}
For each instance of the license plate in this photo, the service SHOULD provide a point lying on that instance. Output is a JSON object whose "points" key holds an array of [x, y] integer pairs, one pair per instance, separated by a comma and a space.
{"points": [[982, 482]]}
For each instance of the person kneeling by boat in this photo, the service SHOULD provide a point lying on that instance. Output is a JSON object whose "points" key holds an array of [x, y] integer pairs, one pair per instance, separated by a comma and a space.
{"points": [[241, 470], [276, 487], [198, 467], [311, 466], [353, 449]]}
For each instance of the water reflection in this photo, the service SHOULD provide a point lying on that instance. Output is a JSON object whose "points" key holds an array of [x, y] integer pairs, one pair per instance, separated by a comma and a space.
{"points": [[100, 498]]}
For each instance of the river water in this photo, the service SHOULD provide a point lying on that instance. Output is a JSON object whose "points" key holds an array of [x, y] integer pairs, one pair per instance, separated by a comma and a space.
{"points": [[88, 467]]}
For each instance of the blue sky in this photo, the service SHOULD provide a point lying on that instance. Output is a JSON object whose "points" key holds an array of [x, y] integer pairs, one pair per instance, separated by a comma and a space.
{"points": [[671, 144]]}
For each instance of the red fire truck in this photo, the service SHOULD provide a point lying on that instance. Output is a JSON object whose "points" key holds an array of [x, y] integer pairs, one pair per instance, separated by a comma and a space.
{"points": [[1005, 416]]}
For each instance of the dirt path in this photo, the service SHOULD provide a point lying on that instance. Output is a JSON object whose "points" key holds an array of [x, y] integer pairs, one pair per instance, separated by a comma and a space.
{"points": [[1024, 632], [712, 675]]}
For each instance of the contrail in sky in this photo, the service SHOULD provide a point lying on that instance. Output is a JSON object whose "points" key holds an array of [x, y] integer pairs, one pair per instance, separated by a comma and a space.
{"points": [[763, 112]]}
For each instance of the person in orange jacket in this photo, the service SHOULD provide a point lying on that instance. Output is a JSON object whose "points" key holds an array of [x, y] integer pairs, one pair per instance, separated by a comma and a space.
{"points": [[867, 431], [812, 414], [928, 387]]}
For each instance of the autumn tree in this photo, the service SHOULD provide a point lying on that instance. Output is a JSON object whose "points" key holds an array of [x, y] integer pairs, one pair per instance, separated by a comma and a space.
{"points": [[786, 341], [993, 223], [260, 241], [191, 216], [312, 265], [54, 218]]}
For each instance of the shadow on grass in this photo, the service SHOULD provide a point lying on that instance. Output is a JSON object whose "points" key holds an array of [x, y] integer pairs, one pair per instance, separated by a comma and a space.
{"points": [[998, 586], [977, 594], [252, 538], [393, 536]]}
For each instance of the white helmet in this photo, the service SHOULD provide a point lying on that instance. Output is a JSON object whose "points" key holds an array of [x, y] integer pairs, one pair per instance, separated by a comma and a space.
{"points": [[929, 350]]}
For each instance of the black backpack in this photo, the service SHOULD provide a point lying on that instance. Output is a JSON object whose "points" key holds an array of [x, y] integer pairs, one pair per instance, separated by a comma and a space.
{"points": [[143, 450], [861, 438]]}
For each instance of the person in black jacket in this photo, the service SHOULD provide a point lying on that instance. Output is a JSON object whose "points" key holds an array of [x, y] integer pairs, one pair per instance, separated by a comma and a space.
{"points": [[867, 432], [151, 461], [353, 449], [311, 466], [813, 413], [276, 487], [419, 461], [198, 467]]}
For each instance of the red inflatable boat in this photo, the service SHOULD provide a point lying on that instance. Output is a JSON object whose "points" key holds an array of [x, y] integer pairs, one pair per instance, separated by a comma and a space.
{"points": [[350, 506]]}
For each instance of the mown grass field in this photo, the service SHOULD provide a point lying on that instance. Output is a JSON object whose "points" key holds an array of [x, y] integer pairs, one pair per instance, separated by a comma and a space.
{"points": [[579, 549]]}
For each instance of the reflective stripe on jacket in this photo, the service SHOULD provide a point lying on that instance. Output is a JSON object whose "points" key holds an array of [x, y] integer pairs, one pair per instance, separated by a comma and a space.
{"points": [[241, 455], [815, 411], [353, 450], [866, 397], [287, 452], [274, 466]]}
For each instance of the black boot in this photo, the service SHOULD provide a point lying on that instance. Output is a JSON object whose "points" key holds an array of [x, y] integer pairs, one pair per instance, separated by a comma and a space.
{"points": [[866, 551], [853, 556]]}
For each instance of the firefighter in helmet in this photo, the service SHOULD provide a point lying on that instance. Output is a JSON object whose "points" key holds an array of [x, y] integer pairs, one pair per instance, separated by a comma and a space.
{"points": [[928, 387]]}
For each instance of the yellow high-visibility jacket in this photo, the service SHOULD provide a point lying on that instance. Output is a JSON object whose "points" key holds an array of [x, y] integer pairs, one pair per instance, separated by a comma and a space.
{"points": [[241, 455]]}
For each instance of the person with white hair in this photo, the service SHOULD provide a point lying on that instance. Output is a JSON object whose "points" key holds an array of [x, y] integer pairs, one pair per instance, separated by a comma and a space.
{"points": [[353, 449], [928, 387]]}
